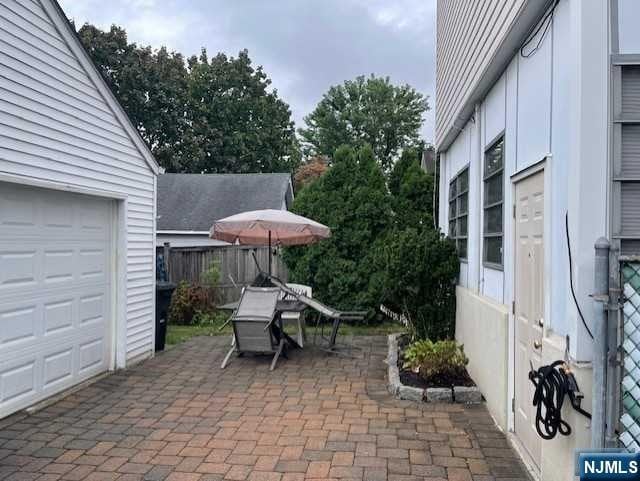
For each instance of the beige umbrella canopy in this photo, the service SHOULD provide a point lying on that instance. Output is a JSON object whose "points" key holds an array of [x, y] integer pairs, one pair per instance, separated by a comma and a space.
{"points": [[269, 227]]}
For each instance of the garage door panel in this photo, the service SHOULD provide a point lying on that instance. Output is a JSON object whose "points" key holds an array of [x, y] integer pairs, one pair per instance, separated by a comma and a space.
{"points": [[58, 315], [17, 211], [17, 267], [92, 309], [91, 354], [58, 264], [21, 345], [55, 302], [92, 264], [57, 368], [18, 325], [17, 381]]}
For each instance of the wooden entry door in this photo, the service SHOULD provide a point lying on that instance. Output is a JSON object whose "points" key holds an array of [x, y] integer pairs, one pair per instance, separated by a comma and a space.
{"points": [[529, 304]]}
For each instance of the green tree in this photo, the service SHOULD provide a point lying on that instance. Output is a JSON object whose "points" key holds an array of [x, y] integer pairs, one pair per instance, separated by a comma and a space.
{"points": [[218, 115], [411, 189], [352, 199], [365, 111], [239, 124]]}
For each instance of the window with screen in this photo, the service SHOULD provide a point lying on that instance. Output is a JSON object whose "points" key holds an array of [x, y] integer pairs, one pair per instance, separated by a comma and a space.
{"points": [[493, 180], [459, 210]]}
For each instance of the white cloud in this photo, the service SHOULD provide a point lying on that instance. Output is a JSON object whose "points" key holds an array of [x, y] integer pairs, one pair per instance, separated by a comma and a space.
{"points": [[156, 29]]}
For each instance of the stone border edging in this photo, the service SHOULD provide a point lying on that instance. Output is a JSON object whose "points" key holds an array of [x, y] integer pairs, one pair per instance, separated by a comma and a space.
{"points": [[459, 394]]}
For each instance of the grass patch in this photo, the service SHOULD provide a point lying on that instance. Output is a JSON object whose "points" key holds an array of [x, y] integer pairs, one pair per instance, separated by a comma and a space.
{"points": [[177, 334], [207, 326]]}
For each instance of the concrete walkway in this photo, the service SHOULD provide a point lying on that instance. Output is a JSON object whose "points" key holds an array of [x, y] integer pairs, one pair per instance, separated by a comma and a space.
{"points": [[179, 417]]}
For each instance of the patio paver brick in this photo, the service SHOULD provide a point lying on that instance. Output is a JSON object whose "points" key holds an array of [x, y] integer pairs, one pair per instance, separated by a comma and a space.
{"points": [[178, 417]]}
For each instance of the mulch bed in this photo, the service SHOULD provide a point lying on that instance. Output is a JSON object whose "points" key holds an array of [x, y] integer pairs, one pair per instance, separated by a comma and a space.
{"points": [[413, 379]]}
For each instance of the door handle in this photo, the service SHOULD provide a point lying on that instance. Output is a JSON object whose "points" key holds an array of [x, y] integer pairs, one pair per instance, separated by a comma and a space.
{"points": [[541, 322], [537, 344]]}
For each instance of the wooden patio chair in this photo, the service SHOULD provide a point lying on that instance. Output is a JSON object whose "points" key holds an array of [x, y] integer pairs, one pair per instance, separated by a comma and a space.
{"points": [[253, 324]]}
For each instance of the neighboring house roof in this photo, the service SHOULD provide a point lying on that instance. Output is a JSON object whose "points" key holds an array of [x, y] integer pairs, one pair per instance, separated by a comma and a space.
{"points": [[192, 202], [70, 36]]}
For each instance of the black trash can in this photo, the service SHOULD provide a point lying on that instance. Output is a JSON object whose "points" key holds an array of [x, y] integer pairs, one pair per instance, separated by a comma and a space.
{"points": [[164, 290]]}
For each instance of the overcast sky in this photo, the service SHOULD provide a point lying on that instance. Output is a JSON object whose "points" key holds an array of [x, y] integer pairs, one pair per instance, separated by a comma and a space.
{"points": [[305, 46]]}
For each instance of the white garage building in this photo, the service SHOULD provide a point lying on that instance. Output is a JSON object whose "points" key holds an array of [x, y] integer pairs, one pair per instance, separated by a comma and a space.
{"points": [[77, 214]]}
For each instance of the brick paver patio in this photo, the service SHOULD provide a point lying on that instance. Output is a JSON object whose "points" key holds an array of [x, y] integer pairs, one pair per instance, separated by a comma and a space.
{"points": [[179, 417]]}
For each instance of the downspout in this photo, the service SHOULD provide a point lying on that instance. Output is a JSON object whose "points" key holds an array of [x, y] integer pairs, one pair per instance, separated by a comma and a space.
{"points": [[479, 210]]}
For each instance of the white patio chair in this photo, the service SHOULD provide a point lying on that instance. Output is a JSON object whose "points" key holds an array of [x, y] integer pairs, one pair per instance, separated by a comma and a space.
{"points": [[295, 318]]}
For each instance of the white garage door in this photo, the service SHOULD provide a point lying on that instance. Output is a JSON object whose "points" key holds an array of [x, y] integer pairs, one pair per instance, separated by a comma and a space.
{"points": [[55, 303]]}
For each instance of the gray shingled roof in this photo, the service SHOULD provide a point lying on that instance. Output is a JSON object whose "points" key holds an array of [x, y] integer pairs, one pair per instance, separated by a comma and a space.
{"points": [[192, 202]]}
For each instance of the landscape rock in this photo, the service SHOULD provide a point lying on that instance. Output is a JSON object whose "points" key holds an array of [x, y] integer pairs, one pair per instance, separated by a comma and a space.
{"points": [[467, 395], [410, 393], [439, 395]]}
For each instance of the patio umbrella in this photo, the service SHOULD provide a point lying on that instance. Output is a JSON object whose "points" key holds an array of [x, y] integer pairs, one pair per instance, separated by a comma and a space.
{"points": [[267, 227]]}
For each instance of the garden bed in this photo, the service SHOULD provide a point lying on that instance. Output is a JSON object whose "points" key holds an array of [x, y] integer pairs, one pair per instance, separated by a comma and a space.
{"points": [[406, 384]]}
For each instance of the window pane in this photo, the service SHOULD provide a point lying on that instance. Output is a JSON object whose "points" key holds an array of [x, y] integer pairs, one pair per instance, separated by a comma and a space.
{"points": [[452, 209], [463, 204], [452, 229], [453, 188], [463, 180], [462, 226], [629, 36], [493, 158], [493, 250], [462, 248], [493, 220], [493, 189]]}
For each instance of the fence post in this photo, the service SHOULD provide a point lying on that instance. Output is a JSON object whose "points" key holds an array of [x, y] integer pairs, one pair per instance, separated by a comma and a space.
{"points": [[166, 255], [600, 343], [614, 323]]}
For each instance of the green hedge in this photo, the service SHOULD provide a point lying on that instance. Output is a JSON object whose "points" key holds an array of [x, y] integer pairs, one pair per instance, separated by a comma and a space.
{"points": [[383, 249]]}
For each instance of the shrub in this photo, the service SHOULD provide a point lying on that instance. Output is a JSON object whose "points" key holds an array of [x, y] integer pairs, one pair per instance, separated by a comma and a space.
{"points": [[384, 248], [435, 359], [189, 303], [209, 280], [421, 266]]}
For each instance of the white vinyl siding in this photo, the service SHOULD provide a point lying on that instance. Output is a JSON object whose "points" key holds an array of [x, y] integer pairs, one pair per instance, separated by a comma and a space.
{"points": [[469, 33], [56, 125]]}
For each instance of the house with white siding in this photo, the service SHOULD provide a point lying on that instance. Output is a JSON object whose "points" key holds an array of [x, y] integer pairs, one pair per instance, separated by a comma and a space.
{"points": [[537, 130], [77, 214]]}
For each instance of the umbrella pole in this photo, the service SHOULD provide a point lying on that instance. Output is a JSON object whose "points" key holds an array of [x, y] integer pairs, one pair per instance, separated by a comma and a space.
{"points": [[270, 253]]}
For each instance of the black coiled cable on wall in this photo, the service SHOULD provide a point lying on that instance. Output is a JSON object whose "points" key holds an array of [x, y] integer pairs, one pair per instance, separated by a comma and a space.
{"points": [[552, 383]]}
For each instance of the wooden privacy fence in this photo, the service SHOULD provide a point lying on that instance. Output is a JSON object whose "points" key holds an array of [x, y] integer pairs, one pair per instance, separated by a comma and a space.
{"points": [[236, 264]]}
